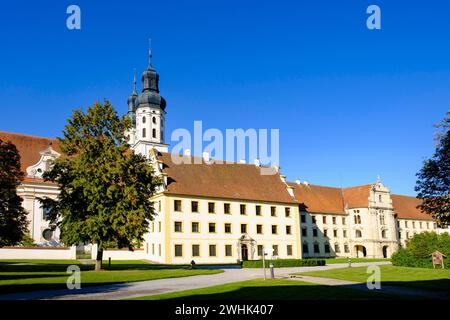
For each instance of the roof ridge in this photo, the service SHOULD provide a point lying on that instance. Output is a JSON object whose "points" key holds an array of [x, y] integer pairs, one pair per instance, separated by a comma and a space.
{"points": [[26, 135]]}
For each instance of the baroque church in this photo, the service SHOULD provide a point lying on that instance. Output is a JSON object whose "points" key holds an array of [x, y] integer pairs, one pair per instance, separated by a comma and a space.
{"points": [[224, 213]]}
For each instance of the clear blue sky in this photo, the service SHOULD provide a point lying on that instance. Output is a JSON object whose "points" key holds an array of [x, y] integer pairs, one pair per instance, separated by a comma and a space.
{"points": [[350, 103]]}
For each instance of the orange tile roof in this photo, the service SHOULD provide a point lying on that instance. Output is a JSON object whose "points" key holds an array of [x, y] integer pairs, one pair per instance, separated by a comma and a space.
{"points": [[357, 197], [319, 199], [406, 208], [226, 181]]}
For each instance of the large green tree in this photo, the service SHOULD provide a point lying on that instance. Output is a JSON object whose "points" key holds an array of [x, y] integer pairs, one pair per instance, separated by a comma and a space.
{"points": [[13, 217], [433, 184], [105, 188]]}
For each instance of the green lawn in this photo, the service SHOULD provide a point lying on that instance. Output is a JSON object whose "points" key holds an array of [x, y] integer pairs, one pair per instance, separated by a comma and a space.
{"points": [[39, 275], [271, 290], [353, 260], [430, 279]]}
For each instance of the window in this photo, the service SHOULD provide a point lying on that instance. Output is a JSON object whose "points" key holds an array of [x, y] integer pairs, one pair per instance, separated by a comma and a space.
{"points": [[212, 228], [414, 224], [273, 211], [260, 250], [258, 210], [407, 235], [357, 219], [303, 217], [194, 206], [195, 227], [289, 250], [287, 212], [383, 234], [228, 250], [327, 248], [196, 250], [227, 227], [226, 208], [324, 219], [154, 133], [314, 232], [334, 220], [243, 228], [46, 213], [344, 233], [428, 225], [380, 198], [177, 205], [305, 248], [211, 207], [212, 250], [178, 226], [154, 120], [325, 233], [343, 220], [243, 209], [420, 224], [335, 233], [313, 219], [288, 230], [435, 225], [336, 248], [275, 249], [159, 226], [259, 229], [153, 226], [144, 119], [382, 220], [47, 234], [406, 224], [358, 234], [399, 235], [144, 133], [178, 250], [346, 248], [304, 232], [274, 229], [316, 248], [159, 250], [153, 249]]}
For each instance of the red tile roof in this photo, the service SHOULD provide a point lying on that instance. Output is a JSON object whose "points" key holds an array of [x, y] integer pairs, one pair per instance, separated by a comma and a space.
{"points": [[406, 208], [357, 197], [319, 199]]}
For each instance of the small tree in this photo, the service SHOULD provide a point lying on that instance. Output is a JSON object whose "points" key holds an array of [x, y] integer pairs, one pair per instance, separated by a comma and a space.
{"points": [[13, 217], [105, 188], [433, 184]]}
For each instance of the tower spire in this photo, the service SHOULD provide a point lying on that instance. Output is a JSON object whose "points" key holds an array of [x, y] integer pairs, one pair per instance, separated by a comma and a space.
{"points": [[134, 82], [150, 52]]}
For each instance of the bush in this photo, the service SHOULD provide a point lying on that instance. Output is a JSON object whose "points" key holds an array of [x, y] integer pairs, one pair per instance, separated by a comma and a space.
{"points": [[419, 249], [284, 263]]}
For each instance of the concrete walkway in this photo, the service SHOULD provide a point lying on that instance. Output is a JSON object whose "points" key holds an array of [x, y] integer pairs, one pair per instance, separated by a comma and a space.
{"points": [[154, 287]]}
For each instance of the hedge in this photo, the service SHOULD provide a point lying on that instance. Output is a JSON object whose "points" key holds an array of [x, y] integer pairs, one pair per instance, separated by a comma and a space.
{"points": [[284, 263], [419, 249]]}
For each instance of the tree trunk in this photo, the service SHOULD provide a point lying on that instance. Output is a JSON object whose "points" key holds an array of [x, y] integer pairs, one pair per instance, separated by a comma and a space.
{"points": [[98, 262]]}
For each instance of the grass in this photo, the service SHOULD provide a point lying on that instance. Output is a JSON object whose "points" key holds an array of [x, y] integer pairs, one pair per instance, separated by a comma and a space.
{"points": [[420, 278], [270, 290], [48, 275], [354, 260]]}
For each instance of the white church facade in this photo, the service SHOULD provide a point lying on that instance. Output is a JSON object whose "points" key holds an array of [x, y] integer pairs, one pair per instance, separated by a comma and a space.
{"points": [[224, 213]]}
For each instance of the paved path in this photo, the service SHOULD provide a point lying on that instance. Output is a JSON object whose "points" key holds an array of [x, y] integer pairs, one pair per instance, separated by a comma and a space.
{"points": [[154, 287]]}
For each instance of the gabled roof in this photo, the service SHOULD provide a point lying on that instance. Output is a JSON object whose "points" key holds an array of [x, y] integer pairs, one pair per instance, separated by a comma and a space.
{"points": [[227, 181], [357, 197], [319, 199], [406, 208]]}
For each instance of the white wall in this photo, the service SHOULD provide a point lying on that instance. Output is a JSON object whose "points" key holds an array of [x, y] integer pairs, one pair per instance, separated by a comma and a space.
{"points": [[119, 254], [43, 253]]}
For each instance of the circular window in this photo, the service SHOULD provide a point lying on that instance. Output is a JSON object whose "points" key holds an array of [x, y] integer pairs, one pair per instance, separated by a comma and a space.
{"points": [[47, 234]]}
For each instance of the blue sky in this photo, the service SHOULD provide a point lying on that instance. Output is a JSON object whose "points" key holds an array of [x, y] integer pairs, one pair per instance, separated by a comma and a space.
{"points": [[350, 103]]}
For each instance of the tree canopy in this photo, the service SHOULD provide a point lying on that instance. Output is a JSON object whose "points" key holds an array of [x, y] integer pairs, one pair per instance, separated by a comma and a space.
{"points": [[433, 184], [13, 217], [105, 188]]}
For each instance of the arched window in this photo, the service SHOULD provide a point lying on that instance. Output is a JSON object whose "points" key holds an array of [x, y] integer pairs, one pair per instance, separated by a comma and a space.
{"points": [[143, 133], [143, 119], [380, 198], [358, 234], [383, 234], [154, 133], [154, 120], [359, 219], [336, 248]]}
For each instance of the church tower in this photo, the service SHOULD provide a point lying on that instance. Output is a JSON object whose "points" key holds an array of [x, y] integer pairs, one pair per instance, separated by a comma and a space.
{"points": [[147, 112]]}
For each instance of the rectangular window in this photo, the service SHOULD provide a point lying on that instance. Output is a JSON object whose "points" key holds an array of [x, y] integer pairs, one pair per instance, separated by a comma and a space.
{"points": [[305, 248], [273, 211], [316, 248], [344, 233], [243, 228], [324, 219], [414, 224], [260, 250], [346, 248], [178, 250], [228, 250], [194, 206], [303, 218], [159, 250], [212, 228], [274, 229], [325, 232], [334, 220], [304, 232], [275, 250], [406, 224], [336, 248], [335, 233], [243, 209], [227, 227], [196, 250], [313, 218], [178, 226], [327, 248], [343, 221], [159, 226], [195, 227], [212, 250], [259, 229], [177, 205], [226, 208], [289, 250], [288, 230], [153, 249], [258, 210], [287, 212], [314, 232], [211, 207]]}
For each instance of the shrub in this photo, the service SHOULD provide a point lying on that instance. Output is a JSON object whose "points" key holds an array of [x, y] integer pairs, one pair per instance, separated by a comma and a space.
{"points": [[284, 263], [419, 249]]}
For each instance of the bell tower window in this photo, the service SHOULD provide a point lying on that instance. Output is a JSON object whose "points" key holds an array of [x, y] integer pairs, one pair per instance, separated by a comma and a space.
{"points": [[154, 120], [154, 133], [143, 119], [143, 133]]}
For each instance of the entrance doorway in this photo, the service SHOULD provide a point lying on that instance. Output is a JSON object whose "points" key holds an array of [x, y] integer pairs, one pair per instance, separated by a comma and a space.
{"points": [[244, 252], [385, 252], [361, 251]]}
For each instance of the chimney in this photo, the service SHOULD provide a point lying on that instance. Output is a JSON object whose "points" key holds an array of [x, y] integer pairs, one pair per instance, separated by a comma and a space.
{"points": [[206, 156], [298, 182], [243, 161], [257, 163], [187, 152], [306, 183]]}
